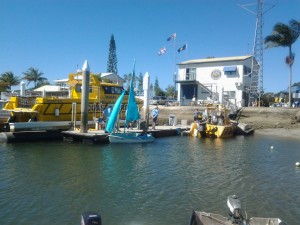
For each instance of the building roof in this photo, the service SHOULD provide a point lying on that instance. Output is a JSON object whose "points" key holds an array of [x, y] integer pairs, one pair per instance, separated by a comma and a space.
{"points": [[61, 81], [212, 59], [107, 74], [103, 75], [49, 88]]}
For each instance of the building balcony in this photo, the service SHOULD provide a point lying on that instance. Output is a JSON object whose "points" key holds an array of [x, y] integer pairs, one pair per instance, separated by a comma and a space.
{"points": [[186, 78]]}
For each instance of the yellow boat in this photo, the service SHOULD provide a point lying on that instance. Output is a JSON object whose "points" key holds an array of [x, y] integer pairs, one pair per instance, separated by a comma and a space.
{"points": [[223, 131], [218, 124], [46, 109]]}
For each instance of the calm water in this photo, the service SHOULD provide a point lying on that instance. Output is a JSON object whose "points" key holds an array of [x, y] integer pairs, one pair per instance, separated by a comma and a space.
{"points": [[158, 184]]}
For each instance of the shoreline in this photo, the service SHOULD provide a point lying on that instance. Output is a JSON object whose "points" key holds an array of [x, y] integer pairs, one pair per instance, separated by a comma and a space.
{"points": [[276, 121], [279, 132]]}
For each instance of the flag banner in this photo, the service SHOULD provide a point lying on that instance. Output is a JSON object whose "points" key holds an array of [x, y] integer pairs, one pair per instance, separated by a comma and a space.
{"points": [[173, 36], [162, 51], [182, 48]]}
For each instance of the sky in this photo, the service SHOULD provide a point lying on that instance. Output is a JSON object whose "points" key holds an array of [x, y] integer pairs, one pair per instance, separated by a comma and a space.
{"points": [[57, 36]]}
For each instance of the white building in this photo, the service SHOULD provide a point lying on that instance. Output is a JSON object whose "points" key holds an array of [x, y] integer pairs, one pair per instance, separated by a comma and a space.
{"points": [[218, 79]]}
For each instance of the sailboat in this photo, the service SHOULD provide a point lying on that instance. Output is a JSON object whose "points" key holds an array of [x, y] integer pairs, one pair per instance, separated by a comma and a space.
{"points": [[132, 115]]}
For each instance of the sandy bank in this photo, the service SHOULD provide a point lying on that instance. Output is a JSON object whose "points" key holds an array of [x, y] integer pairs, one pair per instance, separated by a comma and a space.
{"points": [[280, 132], [258, 117]]}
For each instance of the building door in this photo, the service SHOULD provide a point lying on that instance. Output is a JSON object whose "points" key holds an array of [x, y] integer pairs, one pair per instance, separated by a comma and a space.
{"points": [[189, 90]]}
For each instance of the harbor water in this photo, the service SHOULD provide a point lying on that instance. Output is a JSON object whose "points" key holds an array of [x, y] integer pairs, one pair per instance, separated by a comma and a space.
{"points": [[148, 184]]}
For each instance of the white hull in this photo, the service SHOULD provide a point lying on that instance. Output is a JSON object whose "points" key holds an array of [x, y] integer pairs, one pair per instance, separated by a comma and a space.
{"points": [[130, 138], [203, 218]]}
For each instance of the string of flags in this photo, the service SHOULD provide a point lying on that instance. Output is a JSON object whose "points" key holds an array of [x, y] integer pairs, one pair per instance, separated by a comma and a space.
{"points": [[164, 50]]}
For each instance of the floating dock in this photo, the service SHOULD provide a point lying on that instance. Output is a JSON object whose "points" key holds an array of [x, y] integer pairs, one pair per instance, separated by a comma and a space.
{"points": [[99, 136], [30, 136], [95, 136]]}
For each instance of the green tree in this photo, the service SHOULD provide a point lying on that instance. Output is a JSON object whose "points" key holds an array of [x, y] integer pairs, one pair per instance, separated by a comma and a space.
{"points": [[296, 84], [8, 79], [170, 91], [140, 80], [112, 57], [157, 90], [42, 83], [151, 88], [98, 75], [34, 75], [267, 99], [285, 36]]}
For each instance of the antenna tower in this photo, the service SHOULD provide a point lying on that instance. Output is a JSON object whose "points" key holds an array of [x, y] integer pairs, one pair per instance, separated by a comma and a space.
{"points": [[256, 83]]}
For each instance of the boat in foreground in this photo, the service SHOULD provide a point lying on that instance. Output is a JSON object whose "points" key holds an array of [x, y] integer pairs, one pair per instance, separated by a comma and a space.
{"points": [[235, 216], [202, 218]]}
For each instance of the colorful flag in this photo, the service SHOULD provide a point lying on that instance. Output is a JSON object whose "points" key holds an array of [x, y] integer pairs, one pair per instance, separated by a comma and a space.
{"points": [[182, 48], [173, 36], [162, 51]]}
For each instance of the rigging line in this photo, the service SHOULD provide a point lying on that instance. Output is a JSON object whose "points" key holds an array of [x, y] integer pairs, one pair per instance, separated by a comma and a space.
{"points": [[169, 61]]}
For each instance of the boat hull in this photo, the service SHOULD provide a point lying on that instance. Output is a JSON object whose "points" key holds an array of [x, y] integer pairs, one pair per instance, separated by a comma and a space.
{"points": [[203, 218], [220, 131], [54, 109], [131, 137]]}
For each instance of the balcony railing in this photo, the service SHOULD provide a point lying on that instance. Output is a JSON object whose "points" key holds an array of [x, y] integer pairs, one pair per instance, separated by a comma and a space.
{"points": [[185, 77]]}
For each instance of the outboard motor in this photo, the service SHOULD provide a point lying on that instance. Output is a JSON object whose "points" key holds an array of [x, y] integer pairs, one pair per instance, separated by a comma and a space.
{"points": [[90, 218], [235, 210]]}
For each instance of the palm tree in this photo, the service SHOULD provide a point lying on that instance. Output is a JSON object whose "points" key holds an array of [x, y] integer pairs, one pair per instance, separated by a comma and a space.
{"points": [[34, 75], [127, 78], [8, 79], [285, 36]]}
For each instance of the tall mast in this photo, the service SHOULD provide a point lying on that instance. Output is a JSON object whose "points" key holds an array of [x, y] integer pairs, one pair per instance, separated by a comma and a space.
{"points": [[256, 83], [174, 75]]}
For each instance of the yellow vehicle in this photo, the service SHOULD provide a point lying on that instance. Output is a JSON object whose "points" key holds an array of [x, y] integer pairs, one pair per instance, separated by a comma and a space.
{"points": [[49, 108]]}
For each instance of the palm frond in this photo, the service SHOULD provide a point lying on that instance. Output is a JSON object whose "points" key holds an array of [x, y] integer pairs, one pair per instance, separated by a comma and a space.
{"points": [[283, 35], [295, 29]]}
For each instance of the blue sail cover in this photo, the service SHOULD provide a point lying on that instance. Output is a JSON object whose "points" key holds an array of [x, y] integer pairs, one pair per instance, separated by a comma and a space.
{"points": [[132, 112], [114, 114]]}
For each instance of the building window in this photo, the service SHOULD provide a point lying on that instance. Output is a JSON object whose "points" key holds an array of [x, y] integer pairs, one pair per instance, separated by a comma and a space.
{"points": [[78, 88], [247, 70], [112, 89], [190, 74], [230, 70], [230, 73]]}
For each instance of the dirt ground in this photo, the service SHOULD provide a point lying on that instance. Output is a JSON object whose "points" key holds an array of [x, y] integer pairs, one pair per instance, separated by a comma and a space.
{"points": [[258, 117]]}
